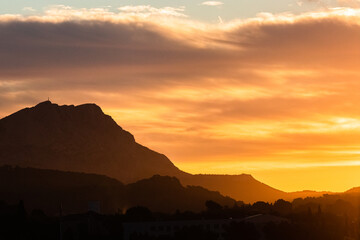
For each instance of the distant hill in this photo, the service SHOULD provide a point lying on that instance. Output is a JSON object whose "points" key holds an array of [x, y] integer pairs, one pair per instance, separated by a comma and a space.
{"points": [[165, 190], [48, 189], [83, 139], [306, 193], [241, 187], [354, 190]]}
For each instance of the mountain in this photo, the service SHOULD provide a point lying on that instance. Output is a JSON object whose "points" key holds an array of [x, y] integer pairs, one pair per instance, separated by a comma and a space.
{"points": [[77, 138], [83, 139], [47, 189]]}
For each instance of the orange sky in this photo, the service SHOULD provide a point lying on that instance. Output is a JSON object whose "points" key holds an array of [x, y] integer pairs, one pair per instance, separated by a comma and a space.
{"points": [[275, 96]]}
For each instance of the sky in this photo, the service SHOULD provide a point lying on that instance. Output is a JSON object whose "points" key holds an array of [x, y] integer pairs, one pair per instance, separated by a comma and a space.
{"points": [[227, 87]]}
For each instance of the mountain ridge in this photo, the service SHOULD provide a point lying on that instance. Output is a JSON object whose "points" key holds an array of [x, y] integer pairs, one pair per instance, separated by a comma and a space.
{"points": [[84, 139]]}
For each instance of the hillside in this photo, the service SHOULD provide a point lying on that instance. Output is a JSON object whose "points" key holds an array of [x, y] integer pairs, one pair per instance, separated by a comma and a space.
{"points": [[241, 187], [354, 190], [48, 189]]}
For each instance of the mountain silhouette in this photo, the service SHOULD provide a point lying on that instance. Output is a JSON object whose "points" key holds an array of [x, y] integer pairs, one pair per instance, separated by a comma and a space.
{"points": [[77, 138], [83, 139], [47, 189]]}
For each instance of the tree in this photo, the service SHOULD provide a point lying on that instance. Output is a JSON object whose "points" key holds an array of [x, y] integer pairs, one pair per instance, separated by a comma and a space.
{"points": [[138, 214], [213, 206], [282, 207]]}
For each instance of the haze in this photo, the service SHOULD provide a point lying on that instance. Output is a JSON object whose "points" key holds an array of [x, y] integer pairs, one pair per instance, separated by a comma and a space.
{"points": [[219, 87]]}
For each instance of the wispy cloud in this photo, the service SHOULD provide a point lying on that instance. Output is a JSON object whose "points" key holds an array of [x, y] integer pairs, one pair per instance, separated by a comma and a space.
{"points": [[212, 3], [147, 10], [29, 9]]}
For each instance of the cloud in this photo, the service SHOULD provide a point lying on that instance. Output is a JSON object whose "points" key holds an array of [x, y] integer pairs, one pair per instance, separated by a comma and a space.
{"points": [[220, 19], [212, 3], [147, 10], [325, 4], [60, 13], [29, 9]]}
